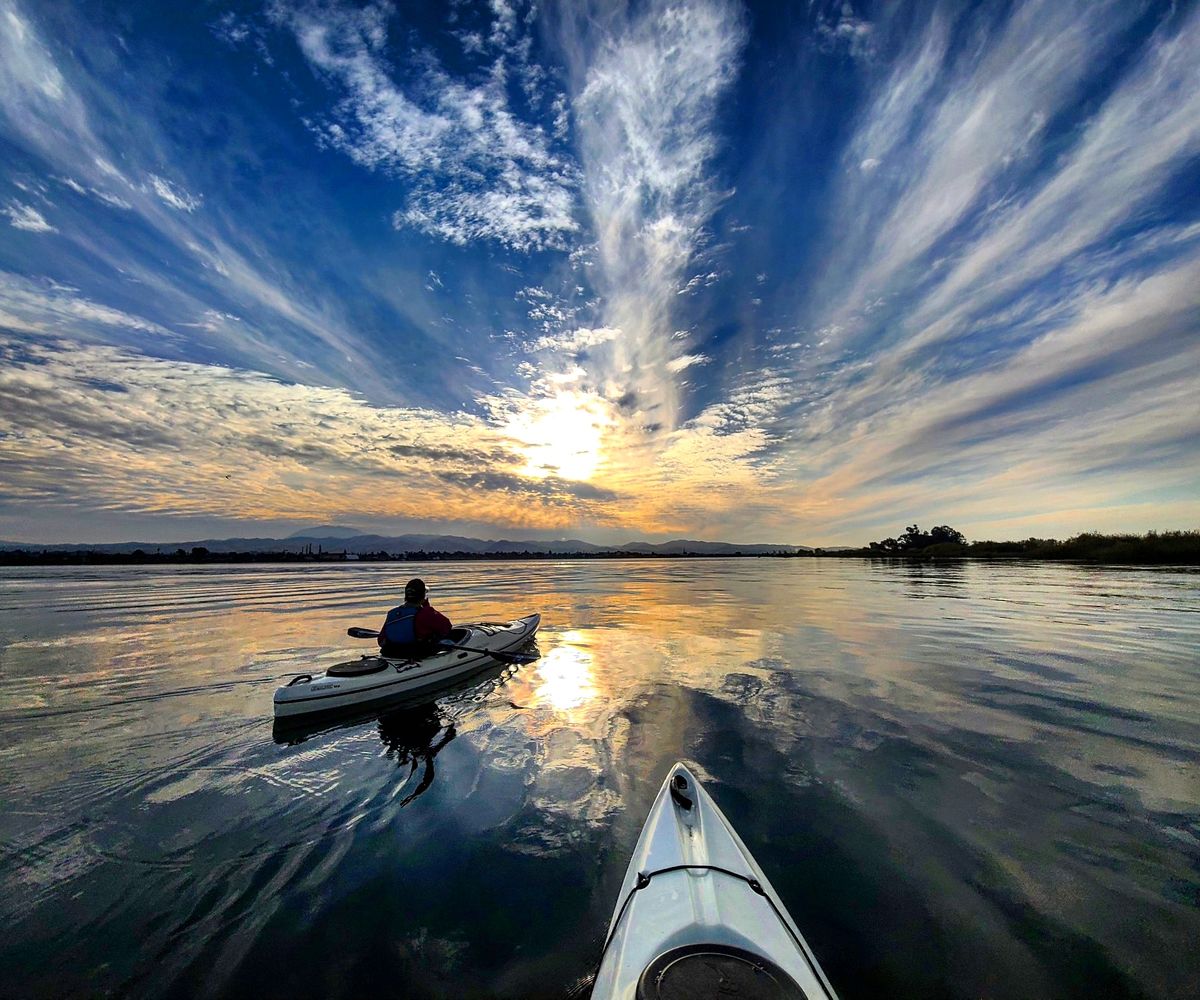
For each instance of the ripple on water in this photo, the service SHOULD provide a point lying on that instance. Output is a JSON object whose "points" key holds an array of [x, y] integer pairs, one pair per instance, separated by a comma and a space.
{"points": [[959, 778]]}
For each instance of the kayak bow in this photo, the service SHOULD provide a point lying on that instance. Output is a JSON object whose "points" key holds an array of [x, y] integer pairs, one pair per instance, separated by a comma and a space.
{"points": [[696, 916]]}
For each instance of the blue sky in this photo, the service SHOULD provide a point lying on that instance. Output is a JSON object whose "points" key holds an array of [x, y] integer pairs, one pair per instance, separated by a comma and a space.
{"points": [[802, 273]]}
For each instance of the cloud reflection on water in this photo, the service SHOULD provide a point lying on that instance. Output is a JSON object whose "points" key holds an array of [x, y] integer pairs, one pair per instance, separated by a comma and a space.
{"points": [[964, 759]]}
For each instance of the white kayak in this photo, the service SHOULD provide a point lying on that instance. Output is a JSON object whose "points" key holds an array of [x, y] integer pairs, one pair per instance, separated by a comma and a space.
{"points": [[374, 678], [697, 917]]}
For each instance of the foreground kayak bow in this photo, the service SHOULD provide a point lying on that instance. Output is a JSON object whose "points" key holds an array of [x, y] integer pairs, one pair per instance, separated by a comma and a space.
{"points": [[697, 917]]}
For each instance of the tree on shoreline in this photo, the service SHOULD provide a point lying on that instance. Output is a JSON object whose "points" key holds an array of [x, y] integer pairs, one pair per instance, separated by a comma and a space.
{"points": [[914, 539]]}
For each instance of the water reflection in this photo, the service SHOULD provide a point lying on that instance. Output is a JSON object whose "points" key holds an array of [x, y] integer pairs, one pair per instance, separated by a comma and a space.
{"points": [[414, 737], [564, 678], [413, 731], [965, 780]]}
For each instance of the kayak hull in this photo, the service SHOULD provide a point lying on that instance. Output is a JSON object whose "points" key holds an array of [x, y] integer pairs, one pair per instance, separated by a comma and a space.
{"points": [[696, 915], [334, 693]]}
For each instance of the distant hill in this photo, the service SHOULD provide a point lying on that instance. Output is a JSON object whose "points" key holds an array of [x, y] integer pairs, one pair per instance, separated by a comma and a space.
{"points": [[685, 545], [361, 544], [327, 531]]}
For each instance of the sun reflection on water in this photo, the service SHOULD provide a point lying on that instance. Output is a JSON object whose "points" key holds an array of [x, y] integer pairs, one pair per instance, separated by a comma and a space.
{"points": [[564, 675]]}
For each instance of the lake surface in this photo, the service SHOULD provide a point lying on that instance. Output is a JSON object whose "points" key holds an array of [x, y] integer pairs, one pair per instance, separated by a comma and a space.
{"points": [[964, 780]]}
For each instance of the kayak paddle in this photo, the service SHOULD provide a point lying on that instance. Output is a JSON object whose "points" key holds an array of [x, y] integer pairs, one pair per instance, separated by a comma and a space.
{"points": [[518, 658]]}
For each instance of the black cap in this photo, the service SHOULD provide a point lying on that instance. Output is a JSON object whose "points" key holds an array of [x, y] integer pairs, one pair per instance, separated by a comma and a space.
{"points": [[414, 590]]}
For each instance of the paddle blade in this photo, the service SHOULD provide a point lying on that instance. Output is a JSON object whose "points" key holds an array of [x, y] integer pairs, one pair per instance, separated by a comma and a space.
{"points": [[517, 658], [362, 633]]}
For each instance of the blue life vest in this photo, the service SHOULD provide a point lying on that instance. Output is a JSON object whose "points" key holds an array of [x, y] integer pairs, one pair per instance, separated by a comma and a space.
{"points": [[400, 627]]}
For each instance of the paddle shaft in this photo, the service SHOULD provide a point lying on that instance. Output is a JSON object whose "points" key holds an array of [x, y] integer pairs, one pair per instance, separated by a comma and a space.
{"points": [[366, 633], [494, 653]]}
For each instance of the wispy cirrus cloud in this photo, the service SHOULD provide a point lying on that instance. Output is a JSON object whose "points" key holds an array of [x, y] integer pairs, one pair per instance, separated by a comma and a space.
{"points": [[173, 195], [646, 112], [28, 218], [1145, 134], [107, 197], [473, 168], [1008, 330], [952, 133], [1090, 413], [44, 307], [59, 112]]}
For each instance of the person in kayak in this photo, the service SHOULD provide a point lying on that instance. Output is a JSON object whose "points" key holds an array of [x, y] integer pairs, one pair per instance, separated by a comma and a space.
{"points": [[412, 629]]}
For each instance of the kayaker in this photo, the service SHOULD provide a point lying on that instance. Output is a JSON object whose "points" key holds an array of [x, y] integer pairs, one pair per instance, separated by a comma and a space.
{"points": [[411, 629]]}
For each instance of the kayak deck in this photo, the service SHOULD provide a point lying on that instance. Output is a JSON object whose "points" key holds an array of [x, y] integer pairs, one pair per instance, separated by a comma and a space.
{"points": [[696, 917]]}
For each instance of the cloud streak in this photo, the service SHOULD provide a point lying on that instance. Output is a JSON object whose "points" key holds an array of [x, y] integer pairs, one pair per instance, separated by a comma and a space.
{"points": [[1002, 333], [60, 114], [646, 115], [28, 218]]}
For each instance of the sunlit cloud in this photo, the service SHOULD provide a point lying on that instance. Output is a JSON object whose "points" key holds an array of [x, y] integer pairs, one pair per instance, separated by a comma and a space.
{"points": [[193, 439], [606, 268], [564, 434]]}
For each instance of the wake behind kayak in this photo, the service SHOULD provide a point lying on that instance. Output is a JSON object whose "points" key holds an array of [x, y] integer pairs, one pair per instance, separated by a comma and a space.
{"points": [[697, 918]]}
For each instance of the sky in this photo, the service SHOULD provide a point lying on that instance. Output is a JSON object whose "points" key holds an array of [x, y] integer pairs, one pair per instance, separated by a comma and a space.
{"points": [[802, 273]]}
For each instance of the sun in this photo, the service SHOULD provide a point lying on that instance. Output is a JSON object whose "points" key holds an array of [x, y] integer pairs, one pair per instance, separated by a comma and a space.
{"points": [[562, 435]]}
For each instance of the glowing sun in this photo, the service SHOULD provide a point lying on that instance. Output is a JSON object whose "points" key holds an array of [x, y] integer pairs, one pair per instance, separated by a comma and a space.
{"points": [[562, 435]]}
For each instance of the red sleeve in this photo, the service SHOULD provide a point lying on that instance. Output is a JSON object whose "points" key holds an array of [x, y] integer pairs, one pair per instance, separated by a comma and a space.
{"points": [[431, 624]]}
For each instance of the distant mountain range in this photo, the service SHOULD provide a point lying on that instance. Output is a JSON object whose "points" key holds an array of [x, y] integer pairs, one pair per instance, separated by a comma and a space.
{"points": [[328, 531], [335, 539]]}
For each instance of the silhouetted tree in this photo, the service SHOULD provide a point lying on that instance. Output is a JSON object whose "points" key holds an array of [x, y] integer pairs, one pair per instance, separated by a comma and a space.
{"points": [[914, 539], [944, 533]]}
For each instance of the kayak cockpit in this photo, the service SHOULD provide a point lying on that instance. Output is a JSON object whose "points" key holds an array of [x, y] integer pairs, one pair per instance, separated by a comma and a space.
{"points": [[372, 663], [702, 971]]}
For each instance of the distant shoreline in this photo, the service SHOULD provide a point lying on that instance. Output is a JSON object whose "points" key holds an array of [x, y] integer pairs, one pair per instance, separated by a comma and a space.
{"points": [[1179, 548], [87, 557]]}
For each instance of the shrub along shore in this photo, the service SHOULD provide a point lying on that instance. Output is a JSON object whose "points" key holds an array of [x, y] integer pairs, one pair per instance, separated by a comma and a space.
{"points": [[1152, 548]]}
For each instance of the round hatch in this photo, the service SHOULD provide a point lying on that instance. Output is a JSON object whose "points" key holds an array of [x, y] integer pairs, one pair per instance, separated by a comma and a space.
{"points": [[699, 971]]}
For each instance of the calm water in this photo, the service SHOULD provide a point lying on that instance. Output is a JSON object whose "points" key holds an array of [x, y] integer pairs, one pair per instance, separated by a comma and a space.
{"points": [[965, 781]]}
